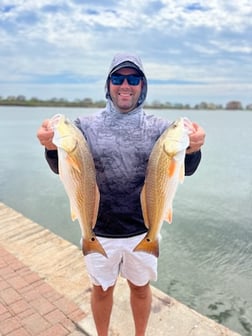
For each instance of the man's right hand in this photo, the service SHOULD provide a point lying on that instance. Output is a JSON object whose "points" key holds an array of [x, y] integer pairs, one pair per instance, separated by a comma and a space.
{"points": [[45, 135]]}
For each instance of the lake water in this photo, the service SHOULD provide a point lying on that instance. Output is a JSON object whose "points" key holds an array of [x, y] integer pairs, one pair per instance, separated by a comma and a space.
{"points": [[206, 254]]}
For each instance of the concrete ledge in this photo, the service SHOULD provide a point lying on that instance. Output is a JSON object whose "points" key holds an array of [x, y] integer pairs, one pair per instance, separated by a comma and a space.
{"points": [[61, 265]]}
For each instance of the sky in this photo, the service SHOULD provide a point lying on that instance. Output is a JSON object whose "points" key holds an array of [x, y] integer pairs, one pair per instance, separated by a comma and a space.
{"points": [[192, 51]]}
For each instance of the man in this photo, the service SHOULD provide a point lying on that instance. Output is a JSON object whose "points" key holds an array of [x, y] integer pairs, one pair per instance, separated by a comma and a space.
{"points": [[121, 138]]}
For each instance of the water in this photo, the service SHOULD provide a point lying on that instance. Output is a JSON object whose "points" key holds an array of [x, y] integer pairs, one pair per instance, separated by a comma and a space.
{"points": [[206, 254]]}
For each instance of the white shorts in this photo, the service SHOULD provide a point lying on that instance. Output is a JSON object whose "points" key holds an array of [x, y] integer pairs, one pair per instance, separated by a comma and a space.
{"points": [[137, 267]]}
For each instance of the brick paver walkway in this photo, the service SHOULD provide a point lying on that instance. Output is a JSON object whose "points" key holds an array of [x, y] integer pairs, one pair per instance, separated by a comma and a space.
{"points": [[29, 306], [45, 290]]}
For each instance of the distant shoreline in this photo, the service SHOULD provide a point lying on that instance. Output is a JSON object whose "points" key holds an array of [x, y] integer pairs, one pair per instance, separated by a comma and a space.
{"points": [[88, 103]]}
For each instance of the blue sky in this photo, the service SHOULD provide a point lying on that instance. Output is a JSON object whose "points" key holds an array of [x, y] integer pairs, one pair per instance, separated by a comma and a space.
{"points": [[192, 51]]}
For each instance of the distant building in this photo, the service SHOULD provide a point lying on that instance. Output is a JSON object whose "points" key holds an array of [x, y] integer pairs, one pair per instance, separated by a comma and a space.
{"points": [[234, 105], [249, 107], [207, 106], [202, 106]]}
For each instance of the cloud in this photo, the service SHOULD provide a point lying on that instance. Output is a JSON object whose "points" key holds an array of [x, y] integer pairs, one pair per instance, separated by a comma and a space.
{"points": [[66, 46]]}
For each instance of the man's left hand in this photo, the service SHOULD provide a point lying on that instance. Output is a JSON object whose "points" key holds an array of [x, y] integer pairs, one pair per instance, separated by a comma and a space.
{"points": [[197, 138]]}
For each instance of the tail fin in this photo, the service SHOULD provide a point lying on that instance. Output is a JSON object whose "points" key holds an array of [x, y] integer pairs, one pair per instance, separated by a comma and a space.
{"points": [[92, 245], [149, 246]]}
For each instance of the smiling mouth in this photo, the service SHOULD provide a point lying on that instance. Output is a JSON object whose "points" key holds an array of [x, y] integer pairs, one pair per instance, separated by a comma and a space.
{"points": [[123, 94]]}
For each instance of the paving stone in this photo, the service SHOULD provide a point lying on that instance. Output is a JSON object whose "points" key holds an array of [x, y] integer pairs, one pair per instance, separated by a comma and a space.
{"points": [[43, 295]]}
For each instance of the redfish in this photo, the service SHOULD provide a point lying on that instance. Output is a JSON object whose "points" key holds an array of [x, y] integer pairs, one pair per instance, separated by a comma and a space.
{"points": [[165, 170], [77, 173]]}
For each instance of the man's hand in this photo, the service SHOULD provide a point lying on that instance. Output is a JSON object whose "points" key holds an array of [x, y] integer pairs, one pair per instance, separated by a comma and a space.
{"points": [[197, 138], [45, 135]]}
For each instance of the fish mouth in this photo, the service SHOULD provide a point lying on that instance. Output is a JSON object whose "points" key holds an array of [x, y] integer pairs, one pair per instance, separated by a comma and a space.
{"points": [[54, 121]]}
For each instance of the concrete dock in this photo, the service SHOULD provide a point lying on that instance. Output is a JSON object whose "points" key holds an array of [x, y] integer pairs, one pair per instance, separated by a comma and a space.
{"points": [[57, 265]]}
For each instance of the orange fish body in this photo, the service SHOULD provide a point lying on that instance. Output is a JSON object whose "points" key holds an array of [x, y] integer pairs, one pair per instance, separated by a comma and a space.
{"points": [[164, 172], [77, 173]]}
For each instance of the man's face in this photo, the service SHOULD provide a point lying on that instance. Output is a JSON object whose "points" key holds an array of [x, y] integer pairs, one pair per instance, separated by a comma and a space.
{"points": [[125, 96]]}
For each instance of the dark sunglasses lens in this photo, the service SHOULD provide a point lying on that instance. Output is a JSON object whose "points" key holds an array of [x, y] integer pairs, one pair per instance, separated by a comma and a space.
{"points": [[117, 79], [131, 79]]}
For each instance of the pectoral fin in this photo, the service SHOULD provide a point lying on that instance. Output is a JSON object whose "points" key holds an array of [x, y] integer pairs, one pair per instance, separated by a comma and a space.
{"points": [[73, 163], [172, 168]]}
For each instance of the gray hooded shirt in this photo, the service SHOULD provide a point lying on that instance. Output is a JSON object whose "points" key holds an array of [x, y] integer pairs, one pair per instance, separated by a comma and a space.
{"points": [[121, 144]]}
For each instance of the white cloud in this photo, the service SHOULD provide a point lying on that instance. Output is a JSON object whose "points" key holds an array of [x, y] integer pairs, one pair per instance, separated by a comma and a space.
{"points": [[178, 41]]}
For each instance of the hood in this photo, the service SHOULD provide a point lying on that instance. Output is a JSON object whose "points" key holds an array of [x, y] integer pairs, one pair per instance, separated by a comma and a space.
{"points": [[124, 60]]}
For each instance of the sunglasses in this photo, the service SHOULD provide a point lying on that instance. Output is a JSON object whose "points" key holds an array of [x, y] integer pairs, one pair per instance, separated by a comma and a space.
{"points": [[117, 79]]}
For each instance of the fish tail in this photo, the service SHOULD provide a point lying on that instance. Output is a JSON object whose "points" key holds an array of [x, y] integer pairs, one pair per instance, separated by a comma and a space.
{"points": [[92, 245], [149, 246]]}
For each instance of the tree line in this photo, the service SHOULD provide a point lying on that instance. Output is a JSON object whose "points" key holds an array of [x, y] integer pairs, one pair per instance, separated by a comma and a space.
{"points": [[89, 103]]}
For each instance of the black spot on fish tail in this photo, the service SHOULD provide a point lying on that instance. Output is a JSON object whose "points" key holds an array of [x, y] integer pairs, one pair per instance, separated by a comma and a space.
{"points": [[92, 245], [149, 246]]}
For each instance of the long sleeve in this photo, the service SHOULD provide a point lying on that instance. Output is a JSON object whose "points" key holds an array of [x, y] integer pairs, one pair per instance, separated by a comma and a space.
{"points": [[52, 160], [192, 162]]}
